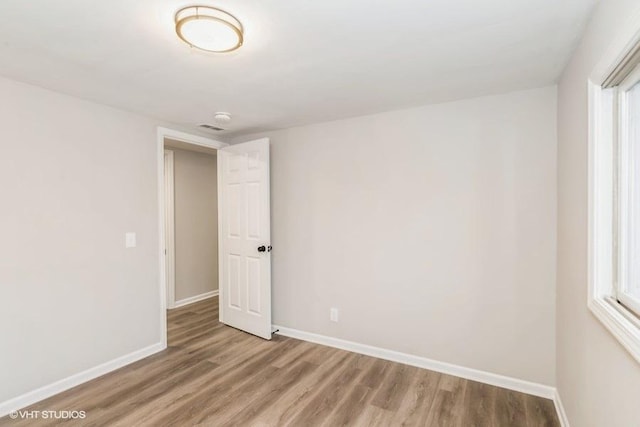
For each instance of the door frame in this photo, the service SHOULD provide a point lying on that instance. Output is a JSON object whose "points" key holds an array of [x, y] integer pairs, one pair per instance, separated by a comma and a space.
{"points": [[169, 228], [162, 134]]}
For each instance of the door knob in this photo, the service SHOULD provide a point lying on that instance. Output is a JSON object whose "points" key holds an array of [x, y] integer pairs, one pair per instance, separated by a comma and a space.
{"points": [[261, 248]]}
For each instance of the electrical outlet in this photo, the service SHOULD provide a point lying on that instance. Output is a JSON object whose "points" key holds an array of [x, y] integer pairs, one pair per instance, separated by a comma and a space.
{"points": [[333, 314]]}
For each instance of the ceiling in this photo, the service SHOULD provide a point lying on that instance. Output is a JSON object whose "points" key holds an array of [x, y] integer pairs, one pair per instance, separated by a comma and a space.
{"points": [[303, 61]]}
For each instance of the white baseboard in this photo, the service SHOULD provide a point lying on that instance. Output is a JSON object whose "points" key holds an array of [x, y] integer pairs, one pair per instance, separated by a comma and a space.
{"points": [[44, 392], [516, 384], [562, 415], [196, 298]]}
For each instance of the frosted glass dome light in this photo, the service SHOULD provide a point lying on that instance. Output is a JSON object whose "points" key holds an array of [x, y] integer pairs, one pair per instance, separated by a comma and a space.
{"points": [[208, 28]]}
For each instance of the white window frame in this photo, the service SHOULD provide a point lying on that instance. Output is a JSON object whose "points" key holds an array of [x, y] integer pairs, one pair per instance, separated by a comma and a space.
{"points": [[628, 195], [606, 215]]}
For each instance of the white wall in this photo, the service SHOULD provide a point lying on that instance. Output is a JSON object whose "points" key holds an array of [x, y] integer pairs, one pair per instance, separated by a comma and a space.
{"points": [[431, 229], [75, 177], [196, 223], [598, 381]]}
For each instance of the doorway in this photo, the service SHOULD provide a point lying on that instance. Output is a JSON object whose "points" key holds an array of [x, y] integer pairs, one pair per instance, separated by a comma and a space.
{"points": [[244, 230], [189, 220], [191, 223]]}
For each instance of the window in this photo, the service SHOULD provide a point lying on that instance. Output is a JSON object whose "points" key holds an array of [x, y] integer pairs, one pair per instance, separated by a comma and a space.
{"points": [[614, 193], [627, 203]]}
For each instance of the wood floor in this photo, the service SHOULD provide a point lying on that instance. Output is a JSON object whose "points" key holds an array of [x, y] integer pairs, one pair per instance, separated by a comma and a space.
{"points": [[214, 375]]}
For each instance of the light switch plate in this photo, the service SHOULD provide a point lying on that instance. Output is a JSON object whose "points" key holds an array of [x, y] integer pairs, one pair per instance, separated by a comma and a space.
{"points": [[130, 240]]}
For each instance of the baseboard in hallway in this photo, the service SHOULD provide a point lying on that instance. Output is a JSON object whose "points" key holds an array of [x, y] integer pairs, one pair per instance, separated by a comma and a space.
{"points": [[196, 298]]}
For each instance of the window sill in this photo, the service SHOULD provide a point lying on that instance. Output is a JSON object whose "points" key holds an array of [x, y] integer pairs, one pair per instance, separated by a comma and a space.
{"points": [[624, 326]]}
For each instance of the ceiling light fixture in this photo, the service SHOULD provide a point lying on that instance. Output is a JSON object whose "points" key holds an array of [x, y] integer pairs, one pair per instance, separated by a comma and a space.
{"points": [[222, 118], [208, 28]]}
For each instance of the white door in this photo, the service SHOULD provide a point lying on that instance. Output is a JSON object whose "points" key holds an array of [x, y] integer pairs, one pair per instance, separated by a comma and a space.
{"points": [[245, 233]]}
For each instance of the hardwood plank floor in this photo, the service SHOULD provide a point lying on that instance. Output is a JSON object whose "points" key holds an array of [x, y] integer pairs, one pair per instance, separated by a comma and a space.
{"points": [[214, 375]]}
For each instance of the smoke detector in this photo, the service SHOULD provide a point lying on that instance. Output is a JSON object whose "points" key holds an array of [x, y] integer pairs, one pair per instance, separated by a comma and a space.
{"points": [[222, 118]]}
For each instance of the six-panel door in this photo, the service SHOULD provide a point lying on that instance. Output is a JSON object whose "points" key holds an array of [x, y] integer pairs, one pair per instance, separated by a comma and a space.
{"points": [[245, 259]]}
